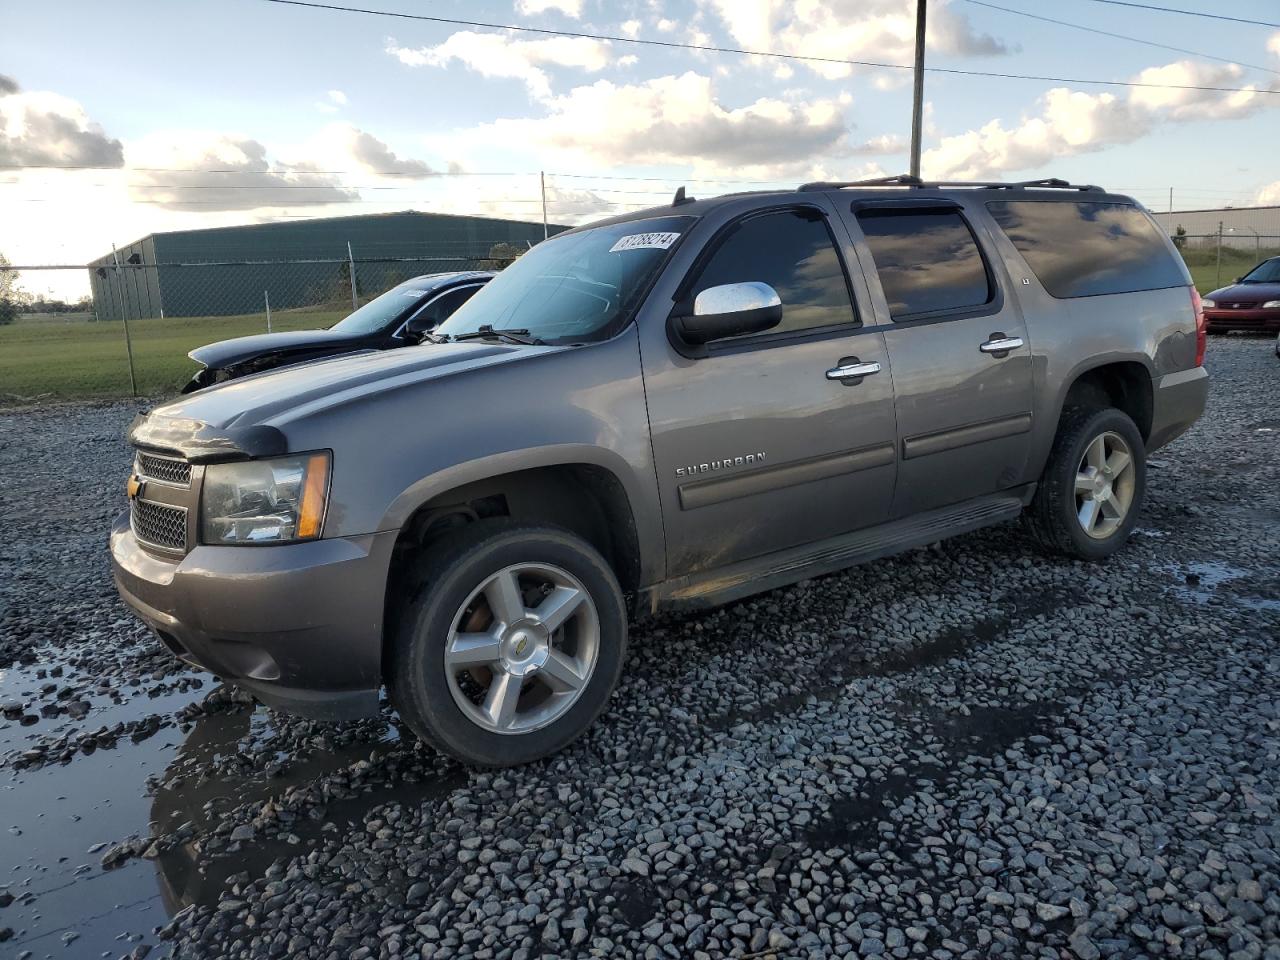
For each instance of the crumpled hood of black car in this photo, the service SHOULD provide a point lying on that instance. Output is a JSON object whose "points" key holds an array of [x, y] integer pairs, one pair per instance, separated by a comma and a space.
{"points": [[226, 353]]}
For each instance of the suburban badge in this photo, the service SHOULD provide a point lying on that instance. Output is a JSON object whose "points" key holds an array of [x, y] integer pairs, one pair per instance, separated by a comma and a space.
{"points": [[693, 469]]}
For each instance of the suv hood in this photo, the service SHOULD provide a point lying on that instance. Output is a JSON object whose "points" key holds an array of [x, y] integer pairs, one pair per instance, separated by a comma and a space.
{"points": [[227, 353], [248, 417], [1247, 293]]}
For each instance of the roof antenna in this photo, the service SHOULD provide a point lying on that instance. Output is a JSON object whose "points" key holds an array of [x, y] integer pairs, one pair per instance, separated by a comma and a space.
{"points": [[681, 198]]}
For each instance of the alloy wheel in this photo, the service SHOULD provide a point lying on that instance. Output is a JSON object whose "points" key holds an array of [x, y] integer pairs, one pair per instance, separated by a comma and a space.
{"points": [[522, 648], [1104, 485]]}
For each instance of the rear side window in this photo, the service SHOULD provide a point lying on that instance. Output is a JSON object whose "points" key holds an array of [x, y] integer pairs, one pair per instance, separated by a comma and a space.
{"points": [[928, 261], [793, 252], [1086, 249]]}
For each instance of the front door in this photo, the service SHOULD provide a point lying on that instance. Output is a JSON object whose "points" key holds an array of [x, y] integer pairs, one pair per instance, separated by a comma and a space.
{"points": [[758, 445], [962, 369]]}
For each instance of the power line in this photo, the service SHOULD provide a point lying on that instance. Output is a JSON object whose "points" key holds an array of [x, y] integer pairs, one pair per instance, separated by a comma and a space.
{"points": [[308, 171], [1119, 36], [1188, 13], [381, 173], [671, 44]]}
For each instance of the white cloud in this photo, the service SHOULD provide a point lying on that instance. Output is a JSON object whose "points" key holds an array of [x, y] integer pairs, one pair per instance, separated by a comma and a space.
{"points": [[338, 97], [498, 55], [570, 8], [631, 28], [886, 143], [878, 30], [679, 120], [341, 146], [565, 205], [212, 171], [1268, 195], [42, 128], [1072, 122], [1273, 43], [665, 25]]}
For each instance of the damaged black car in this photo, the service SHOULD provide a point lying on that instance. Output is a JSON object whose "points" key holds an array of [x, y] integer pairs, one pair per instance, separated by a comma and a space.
{"points": [[400, 317]]}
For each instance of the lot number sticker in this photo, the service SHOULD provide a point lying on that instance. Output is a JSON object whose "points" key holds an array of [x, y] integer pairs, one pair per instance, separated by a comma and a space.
{"points": [[645, 241]]}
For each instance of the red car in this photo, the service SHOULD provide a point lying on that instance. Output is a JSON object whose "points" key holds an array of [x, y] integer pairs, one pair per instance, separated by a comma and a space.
{"points": [[1251, 303]]}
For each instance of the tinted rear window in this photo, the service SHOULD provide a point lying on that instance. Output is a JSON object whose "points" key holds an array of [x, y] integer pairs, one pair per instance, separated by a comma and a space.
{"points": [[927, 260], [1084, 249]]}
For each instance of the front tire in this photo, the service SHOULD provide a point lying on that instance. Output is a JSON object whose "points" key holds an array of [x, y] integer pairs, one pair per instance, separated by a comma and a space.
{"points": [[511, 644], [1092, 489]]}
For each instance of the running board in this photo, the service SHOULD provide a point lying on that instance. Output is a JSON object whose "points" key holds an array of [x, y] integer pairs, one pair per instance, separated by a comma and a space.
{"points": [[714, 588]]}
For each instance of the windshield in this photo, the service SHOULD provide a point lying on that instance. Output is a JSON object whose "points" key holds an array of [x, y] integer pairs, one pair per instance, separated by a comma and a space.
{"points": [[575, 287], [1266, 272], [382, 311]]}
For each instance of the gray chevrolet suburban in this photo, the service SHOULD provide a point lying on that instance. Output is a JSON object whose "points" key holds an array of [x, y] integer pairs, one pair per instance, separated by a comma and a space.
{"points": [[667, 410]]}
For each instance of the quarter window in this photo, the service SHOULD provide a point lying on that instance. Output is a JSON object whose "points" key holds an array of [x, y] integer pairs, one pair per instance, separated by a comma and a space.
{"points": [[1086, 248], [793, 252], [928, 261]]}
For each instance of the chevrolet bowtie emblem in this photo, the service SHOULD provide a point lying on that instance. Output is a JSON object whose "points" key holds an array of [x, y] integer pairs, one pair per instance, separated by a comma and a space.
{"points": [[135, 487]]}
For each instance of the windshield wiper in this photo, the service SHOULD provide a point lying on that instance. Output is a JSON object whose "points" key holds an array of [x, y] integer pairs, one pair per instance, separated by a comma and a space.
{"points": [[486, 331]]}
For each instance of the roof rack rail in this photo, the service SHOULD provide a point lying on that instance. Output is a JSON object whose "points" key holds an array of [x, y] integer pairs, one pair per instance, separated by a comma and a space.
{"points": [[906, 180]]}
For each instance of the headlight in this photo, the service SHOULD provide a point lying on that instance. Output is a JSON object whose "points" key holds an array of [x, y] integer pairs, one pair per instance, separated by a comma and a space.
{"points": [[264, 501], [1271, 305], [1209, 303]]}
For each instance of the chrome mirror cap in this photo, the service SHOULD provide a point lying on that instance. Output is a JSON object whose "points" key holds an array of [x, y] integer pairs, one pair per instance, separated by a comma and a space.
{"points": [[735, 298]]}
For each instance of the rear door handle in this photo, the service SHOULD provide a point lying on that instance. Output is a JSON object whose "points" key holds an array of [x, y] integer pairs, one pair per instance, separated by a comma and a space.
{"points": [[998, 344], [852, 370]]}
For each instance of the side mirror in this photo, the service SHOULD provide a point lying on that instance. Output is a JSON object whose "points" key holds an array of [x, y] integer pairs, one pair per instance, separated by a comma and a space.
{"points": [[421, 323], [731, 310]]}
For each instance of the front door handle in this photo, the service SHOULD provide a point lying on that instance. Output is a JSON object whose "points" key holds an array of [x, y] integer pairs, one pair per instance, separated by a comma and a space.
{"points": [[852, 369], [1000, 344]]}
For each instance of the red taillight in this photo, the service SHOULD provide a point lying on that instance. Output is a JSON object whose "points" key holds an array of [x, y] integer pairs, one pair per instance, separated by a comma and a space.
{"points": [[1201, 339]]}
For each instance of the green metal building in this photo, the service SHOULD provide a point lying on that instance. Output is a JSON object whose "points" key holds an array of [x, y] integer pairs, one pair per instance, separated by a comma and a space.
{"points": [[225, 271]]}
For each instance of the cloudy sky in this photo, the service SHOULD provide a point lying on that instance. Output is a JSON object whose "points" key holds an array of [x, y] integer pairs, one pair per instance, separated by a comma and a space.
{"points": [[189, 113]]}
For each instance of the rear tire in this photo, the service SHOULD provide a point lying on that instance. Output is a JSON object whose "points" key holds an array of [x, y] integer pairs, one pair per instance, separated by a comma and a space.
{"points": [[510, 645], [1090, 495]]}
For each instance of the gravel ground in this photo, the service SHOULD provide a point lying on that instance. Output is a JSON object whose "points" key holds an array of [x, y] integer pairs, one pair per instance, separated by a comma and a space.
{"points": [[967, 751]]}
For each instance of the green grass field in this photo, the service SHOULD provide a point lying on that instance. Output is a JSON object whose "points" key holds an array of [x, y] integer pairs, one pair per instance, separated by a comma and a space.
{"points": [[74, 357], [78, 358]]}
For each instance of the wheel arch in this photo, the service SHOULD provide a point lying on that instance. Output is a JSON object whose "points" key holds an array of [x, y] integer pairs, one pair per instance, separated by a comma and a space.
{"points": [[1125, 383], [583, 496]]}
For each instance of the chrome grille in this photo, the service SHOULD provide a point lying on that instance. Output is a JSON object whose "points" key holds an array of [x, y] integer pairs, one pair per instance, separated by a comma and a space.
{"points": [[164, 469], [159, 525]]}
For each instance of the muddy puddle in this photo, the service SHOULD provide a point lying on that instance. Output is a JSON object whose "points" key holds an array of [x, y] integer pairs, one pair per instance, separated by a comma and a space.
{"points": [[58, 820], [1214, 581]]}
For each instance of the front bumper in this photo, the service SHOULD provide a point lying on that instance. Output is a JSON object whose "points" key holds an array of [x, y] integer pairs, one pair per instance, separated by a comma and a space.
{"points": [[298, 625], [1178, 400], [1263, 321]]}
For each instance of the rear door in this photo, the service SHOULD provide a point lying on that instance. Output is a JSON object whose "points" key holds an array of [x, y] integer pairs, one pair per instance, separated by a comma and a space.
{"points": [[758, 444], [962, 370]]}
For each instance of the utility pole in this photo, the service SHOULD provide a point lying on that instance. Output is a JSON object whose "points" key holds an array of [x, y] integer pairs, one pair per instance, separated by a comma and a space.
{"points": [[917, 94], [351, 268], [124, 315], [542, 179], [1218, 276]]}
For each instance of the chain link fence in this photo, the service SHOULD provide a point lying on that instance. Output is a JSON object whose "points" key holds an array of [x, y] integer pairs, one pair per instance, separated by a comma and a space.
{"points": [[1217, 259], [128, 329], [130, 334]]}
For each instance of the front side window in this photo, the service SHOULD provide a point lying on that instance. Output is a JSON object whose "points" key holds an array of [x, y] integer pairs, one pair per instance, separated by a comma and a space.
{"points": [[576, 287], [1086, 248], [928, 261], [792, 251], [385, 310]]}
